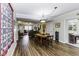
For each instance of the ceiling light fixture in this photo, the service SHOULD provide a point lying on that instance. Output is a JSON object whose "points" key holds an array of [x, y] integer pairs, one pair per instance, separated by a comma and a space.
{"points": [[55, 7], [45, 13], [42, 21]]}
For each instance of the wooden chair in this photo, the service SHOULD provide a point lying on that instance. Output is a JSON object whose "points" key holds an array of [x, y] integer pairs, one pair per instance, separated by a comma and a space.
{"points": [[49, 40]]}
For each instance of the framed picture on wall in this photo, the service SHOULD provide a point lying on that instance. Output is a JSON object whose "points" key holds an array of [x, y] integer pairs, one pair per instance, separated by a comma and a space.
{"points": [[70, 27], [57, 25], [73, 27]]}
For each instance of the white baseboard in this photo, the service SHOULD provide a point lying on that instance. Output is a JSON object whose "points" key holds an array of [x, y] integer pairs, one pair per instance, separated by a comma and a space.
{"points": [[11, 49], [75, 45], [62, 42]]}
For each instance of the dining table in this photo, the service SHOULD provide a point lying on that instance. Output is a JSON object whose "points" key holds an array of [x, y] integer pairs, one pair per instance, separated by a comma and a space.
{"points": [[43, 39]]}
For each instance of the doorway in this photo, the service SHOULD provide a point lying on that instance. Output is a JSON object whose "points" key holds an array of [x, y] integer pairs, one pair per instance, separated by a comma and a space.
{"points": [[73, 31]]}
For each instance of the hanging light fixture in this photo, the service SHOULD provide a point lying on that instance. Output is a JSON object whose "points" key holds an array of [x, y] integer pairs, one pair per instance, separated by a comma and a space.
{"points": [[42, 19], [47, 12]]}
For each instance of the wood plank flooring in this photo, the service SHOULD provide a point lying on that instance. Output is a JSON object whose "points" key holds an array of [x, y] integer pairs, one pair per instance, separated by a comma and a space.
{"points": [[58, 49]]}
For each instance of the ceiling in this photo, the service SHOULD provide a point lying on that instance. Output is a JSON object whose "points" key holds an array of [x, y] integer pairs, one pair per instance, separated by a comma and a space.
{"points": [[35, 11]]}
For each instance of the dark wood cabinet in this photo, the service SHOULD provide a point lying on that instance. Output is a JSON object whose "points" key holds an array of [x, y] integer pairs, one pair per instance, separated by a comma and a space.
{"points": [[72, 39]]}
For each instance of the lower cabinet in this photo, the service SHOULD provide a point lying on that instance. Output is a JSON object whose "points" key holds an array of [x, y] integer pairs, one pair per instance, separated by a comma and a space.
{"points": [[72, 39]]}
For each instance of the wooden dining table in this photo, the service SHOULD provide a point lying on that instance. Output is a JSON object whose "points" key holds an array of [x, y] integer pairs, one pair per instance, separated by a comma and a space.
{"points": [[42, 39], [42, 35]]}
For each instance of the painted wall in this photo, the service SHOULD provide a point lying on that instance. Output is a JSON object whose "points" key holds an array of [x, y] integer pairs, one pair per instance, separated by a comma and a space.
{"points": [[21, 28], [62, 19], [50, 27], [60, 29]]}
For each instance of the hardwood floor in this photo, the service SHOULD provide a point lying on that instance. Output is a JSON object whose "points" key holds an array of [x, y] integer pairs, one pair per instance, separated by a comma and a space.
{"points": [[58, 49]]}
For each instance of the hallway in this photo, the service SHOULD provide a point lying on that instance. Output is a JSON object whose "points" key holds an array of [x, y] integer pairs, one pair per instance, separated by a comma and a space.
{"points": [[58, 49]]}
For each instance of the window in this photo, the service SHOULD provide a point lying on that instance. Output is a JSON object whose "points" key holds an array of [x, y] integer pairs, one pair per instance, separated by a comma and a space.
{"points": [[28, 28]]}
